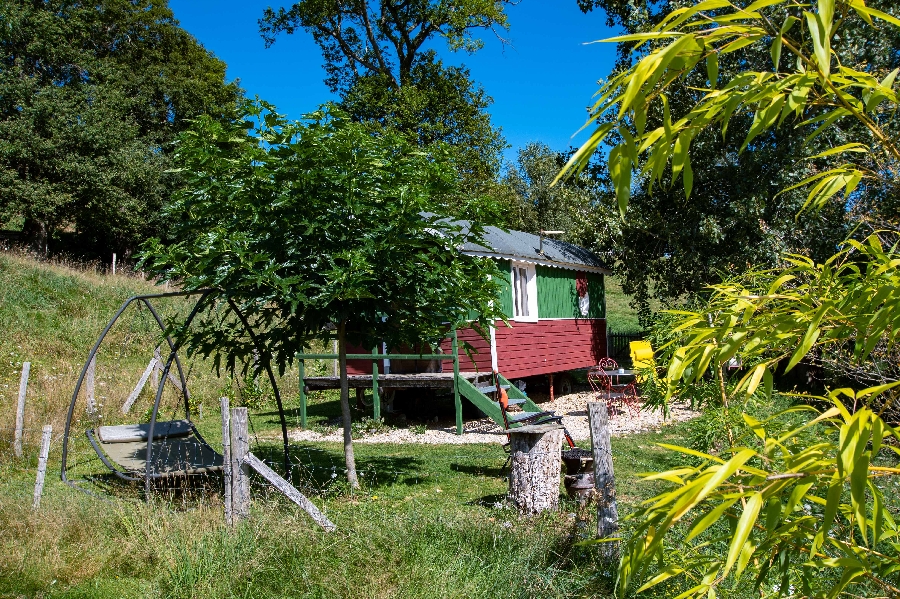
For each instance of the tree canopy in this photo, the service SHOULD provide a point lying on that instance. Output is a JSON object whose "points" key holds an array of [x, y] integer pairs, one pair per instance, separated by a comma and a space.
{"points": [[672, 243], [378, 60], [319, 229], [90, 97]]}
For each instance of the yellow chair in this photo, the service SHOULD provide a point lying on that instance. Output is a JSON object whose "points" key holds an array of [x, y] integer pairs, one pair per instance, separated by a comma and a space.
{"points": [[642, 359]]}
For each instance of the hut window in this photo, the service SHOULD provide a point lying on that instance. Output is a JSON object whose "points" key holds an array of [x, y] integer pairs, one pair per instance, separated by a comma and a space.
{"points": [[524, 290]]}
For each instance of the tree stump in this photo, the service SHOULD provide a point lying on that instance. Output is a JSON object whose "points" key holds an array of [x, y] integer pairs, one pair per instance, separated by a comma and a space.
{"points": [[535, 470]]}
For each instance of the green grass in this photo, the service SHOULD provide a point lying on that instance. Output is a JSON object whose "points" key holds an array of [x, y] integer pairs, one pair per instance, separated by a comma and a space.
{"points": [[621, 317], [429, 522]]}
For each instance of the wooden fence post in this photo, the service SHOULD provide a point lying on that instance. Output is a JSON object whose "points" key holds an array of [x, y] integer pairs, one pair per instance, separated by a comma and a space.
{"points": [[290, 492], [20, 409], [226, 458], [604, 479], [89, 386], [126, 407], [154, 376], [240, 471], [42, 465]]}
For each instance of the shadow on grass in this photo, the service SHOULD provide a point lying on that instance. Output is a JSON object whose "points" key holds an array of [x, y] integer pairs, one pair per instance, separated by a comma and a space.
{"points": [[490, 501], [319, 469], [481, 470]]}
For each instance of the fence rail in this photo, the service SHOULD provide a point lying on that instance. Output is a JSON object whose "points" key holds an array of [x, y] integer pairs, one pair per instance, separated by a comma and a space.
{"points": [[617, 346]]}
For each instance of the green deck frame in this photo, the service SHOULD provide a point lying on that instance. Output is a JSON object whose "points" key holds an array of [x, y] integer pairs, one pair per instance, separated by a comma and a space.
{"points": [[461, 385]]}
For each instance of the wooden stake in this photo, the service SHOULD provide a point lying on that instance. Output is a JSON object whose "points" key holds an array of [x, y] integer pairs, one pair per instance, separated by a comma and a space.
{"points": [[114, 263], [89, 386], [154, 377], [42, 465], [240, 471], [226, 458], [126, 407], [291, 492], [604, 479], [20, 409]]}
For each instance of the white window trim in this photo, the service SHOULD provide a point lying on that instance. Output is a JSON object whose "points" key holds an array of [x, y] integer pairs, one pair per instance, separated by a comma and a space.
{"points": [[530, 288]]}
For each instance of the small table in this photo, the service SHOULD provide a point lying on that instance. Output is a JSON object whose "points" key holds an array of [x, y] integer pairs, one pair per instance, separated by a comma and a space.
{"points": [[626, 391], [617, 375]]}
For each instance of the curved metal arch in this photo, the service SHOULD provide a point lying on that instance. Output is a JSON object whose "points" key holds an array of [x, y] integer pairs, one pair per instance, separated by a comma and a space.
{"points": [[93, 353], [255, 340], [173, 357]]}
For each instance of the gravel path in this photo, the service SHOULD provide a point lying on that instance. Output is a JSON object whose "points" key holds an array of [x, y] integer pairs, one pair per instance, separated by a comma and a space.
{"points": [[572, 407]]}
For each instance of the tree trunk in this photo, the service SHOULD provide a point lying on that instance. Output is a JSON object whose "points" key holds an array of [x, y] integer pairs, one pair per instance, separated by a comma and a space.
{"points": [[345, 408], [535, 469], [35, 232]]}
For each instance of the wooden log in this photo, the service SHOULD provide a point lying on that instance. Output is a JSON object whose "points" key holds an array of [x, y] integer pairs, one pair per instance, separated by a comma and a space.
{"points": [[604, 479], [226, 458], [20, 409], [290, 492], [126, 407], [89, 381], [535, 468], [170, 376], [240, 471], [47, 433]]}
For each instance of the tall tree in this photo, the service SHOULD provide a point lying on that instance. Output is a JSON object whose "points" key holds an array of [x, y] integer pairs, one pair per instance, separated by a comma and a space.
{"points": [[91, 95], [536, 203], [671, 244], [378, 61], [315, 229]]}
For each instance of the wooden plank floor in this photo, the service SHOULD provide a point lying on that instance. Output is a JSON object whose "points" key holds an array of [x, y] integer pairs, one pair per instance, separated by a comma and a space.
{"points": [[425, 380]]}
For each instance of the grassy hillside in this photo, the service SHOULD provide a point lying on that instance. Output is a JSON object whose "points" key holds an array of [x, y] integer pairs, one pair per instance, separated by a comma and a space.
{"points": [[620, 316], [429, 522]]}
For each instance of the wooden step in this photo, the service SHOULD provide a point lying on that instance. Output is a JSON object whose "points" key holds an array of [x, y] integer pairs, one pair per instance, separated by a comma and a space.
{"points": [[490, 388]]}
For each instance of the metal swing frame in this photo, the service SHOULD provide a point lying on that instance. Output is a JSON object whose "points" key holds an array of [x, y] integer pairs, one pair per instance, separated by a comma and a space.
{"points": [[174, 346]]}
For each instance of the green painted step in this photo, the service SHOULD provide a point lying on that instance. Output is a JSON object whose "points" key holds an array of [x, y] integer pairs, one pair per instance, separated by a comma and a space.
{"points": [[491, 408]]}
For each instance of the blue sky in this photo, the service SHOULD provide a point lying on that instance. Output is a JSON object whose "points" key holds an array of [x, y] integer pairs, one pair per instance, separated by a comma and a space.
{"points": [[541, 84]]}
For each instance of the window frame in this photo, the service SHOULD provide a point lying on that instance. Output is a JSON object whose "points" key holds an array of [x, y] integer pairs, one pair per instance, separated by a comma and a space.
{"points": [[530, 291]]}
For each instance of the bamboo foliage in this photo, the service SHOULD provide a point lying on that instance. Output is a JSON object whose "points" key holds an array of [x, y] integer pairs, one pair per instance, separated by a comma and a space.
{"points": [[807, 87], [778, 315], [803, 516], [798, 505]]}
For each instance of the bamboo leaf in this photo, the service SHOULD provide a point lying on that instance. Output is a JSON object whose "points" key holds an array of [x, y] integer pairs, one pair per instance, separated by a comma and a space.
{"points": [[708, 519], [667, 573], [821, 43], [712, 69], [743, 529], [851, 147]]}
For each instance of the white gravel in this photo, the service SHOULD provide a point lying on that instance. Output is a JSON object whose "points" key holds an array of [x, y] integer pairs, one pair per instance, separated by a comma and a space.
{"points": [[572, 407]]}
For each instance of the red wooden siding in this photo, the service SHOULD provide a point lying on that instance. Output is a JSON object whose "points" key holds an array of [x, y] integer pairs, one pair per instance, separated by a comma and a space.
{"points": [[546, 346], [527, 349], [482, 359], [362, 366]]}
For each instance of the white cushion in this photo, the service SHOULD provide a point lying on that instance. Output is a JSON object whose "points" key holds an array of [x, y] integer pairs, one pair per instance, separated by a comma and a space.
{"points": [[128, 433]]}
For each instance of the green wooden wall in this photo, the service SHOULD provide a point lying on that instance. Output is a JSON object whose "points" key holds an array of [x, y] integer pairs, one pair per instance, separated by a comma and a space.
{"points": [[558, 295], [506, 299]]}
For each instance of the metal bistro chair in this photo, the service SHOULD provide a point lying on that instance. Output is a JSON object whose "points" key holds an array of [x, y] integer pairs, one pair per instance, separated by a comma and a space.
{"points": [[616, 395]]}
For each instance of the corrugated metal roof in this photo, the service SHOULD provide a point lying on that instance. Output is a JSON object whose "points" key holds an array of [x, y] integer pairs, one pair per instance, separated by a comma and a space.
{"points": [[518, 245]]}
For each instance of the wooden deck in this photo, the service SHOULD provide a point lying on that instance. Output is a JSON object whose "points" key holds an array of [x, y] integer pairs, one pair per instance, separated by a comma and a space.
{"points": [[425, 380]]}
